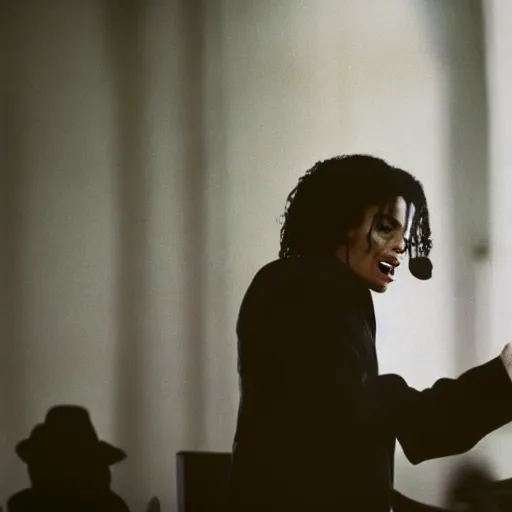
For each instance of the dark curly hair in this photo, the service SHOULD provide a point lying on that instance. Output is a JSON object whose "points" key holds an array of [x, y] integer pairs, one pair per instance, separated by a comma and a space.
{"points": [[332, 196]]}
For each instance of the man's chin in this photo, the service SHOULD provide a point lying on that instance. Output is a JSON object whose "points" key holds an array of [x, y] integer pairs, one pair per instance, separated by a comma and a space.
{"points": [[378, 287]]}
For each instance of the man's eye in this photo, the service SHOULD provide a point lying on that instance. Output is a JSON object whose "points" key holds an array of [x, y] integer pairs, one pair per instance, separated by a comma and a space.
{"points": [[385, 228]]}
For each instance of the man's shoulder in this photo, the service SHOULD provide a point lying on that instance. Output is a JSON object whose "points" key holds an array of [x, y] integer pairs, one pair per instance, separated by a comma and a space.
{"points": [[308, 286], [304, 271]]}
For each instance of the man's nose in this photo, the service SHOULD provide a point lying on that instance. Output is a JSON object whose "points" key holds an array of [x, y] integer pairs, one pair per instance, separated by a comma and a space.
{"points": [[400, 246]]}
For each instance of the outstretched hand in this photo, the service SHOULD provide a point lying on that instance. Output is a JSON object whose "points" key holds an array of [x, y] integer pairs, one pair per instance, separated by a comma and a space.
{"points": [[506, 358]]}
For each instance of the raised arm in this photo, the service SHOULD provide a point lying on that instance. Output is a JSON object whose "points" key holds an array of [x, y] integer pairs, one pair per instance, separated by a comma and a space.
{"points": [[450, 417], [316, 333]]}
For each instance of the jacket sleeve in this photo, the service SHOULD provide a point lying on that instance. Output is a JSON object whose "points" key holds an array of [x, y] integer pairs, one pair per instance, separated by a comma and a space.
{"points": [[448, 418], [320, 330]]}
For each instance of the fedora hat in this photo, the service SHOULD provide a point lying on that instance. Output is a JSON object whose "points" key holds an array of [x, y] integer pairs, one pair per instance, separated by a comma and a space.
{"points": [[67, 434]]}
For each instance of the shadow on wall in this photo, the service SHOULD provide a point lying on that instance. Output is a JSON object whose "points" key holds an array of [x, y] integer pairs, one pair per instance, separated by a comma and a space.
{"points": [[69, 467], [126, 27], [463, 60], [124, 24], [13, 66], [474, 487]]}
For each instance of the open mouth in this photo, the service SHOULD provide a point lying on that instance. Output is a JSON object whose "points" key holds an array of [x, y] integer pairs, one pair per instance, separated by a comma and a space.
{"points": [[387, 269]]}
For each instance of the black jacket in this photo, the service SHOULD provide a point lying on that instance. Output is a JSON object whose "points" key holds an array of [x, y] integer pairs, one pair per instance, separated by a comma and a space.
{"points": [[317, 425]]}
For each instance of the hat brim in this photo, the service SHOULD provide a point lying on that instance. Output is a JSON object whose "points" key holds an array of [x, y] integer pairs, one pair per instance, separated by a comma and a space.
{"points": [[101, 450]]}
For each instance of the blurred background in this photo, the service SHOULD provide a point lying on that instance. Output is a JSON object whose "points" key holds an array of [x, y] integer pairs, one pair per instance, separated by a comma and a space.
{"points": [[147, 150]]}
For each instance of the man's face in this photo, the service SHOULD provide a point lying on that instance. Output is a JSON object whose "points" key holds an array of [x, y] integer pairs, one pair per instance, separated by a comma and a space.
{"points": [[387, 231]]}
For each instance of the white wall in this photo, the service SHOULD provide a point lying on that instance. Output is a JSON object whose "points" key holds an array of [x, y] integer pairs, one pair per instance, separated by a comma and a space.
{"points": [[499, 71], [149, 177], [60, 245]]}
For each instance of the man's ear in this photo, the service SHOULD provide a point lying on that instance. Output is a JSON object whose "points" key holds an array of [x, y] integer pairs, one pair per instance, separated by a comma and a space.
{"points": [[341, 252]]}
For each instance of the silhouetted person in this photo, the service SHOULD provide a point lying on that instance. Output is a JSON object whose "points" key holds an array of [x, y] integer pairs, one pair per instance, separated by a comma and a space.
{"points": [[317, 424], [68, 466]]}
